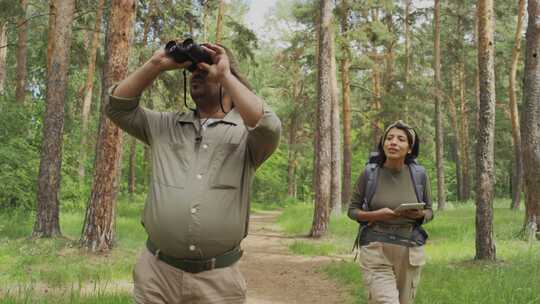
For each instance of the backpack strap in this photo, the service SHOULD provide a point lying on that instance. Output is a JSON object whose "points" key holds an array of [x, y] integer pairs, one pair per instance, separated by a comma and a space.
{"points": [[371, 174], [418, 176]]}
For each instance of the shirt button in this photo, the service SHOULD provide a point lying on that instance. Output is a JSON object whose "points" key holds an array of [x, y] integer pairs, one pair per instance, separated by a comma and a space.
{"points": [[192, 247], [199, 176], [193, 210], [205, 146]]}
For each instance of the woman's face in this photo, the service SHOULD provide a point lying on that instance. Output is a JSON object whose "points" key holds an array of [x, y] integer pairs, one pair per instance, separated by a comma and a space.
{"points": [[396, 144]]}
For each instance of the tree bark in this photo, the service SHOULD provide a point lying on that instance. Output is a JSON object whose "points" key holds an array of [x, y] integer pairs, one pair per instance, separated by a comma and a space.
{"points": [[439, 133], [294, 123], [517, 176], [531, 116], [206, 11], [407, 58], [22, 50], [457, 148], [376, 104], [463, 143], [324, 133], [3, 55], [89, 88], [47, 214], [98, 231], [346, 88], [219, 29], [53, 7], [485, 246], [335, 184]]}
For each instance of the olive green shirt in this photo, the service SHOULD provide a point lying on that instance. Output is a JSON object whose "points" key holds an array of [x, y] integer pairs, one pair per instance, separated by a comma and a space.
{"points": [[394, 187], [198, 201]]}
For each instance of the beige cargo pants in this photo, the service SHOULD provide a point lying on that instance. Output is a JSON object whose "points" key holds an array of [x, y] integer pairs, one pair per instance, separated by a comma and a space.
{"points": [[156, 282], [391, 272]]}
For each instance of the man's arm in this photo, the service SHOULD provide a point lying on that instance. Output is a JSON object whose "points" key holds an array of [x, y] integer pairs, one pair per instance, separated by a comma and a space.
{"points": [[133, 85], [123, 104]]}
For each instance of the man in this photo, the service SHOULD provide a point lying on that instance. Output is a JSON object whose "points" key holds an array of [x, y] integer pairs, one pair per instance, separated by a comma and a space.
{"points": [[203, 163]]}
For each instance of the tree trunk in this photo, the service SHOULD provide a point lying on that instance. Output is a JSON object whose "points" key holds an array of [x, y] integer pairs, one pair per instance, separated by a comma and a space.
{"points": [[439, 134], [293, 129], [531, 116], [3, 55], [89, 88], [206, 11], [335, 184], [407, 58], [47, 214], [324, 123], [457, 147], [221, 9], [464, 135], [98, 231], [376, 104], [346, 88], [517, 180], [22, 50], [485, 246], [132, 165], [53, 6]]}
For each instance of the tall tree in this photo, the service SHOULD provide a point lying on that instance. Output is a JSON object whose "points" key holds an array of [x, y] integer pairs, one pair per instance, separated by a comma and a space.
{"points": [[53, 6], [89, 88], [22, 50], [485, 246], [133, 142], [517, 176], [98, 231], [463, 131], [406, 21], [335, 183], [531, 117], [3, 54], [47, 217], [439, 135], [221, 9], [345, 64], [321, 215]]}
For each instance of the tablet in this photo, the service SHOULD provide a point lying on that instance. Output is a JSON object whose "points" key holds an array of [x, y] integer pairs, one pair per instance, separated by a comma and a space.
{"points": [[410, 206]]}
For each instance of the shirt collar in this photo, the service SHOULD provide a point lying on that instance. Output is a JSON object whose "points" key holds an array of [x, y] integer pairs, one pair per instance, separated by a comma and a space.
{"points": [[233, 118]]}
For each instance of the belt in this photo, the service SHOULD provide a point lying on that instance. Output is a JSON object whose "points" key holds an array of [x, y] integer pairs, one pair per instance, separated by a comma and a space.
{"points": [[393, 228], [195, 266]]}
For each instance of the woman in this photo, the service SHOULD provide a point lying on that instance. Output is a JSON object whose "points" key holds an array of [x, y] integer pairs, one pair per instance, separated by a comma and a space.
{"points": [[391, 241]]}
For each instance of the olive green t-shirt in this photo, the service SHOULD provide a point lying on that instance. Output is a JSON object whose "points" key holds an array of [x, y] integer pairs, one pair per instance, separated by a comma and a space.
{"points": [[198, 201], [394, 187]]}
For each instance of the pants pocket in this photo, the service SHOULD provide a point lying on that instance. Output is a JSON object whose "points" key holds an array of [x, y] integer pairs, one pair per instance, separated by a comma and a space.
{"points": [[417, 256]]}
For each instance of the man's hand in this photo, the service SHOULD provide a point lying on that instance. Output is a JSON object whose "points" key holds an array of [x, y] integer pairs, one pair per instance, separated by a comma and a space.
{"points": [[221, 67], [162, 62], [413, 214]]}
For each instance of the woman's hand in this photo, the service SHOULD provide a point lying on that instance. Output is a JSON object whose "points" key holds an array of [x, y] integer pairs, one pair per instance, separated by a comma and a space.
{"points": [[384, 214], [221, 65]]}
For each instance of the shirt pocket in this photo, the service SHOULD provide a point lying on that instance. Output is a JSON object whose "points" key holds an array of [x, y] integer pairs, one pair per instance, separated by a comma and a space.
{"points": [[417, 256], [173, 164], [227, 166]]}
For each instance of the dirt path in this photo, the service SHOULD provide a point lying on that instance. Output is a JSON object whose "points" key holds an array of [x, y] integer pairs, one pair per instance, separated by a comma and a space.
{"points": [[275, 276]]}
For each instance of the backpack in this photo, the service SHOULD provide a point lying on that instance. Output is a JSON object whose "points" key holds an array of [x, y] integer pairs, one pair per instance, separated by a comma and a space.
{"points": [[371, 173]]}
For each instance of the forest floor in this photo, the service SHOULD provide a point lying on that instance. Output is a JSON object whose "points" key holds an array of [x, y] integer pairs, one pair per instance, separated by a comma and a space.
{"points": [[275, 276]]}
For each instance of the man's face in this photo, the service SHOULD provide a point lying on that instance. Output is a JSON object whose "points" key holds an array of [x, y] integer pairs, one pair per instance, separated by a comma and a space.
{"points": [[201, 88]]}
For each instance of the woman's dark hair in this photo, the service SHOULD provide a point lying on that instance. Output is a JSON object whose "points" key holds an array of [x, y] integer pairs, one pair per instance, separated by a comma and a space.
{"points": [[412, 138]]}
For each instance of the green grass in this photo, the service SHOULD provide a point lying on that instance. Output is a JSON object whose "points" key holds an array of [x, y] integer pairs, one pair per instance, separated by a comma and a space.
{"points": [[451, 274], [28, 266]]}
